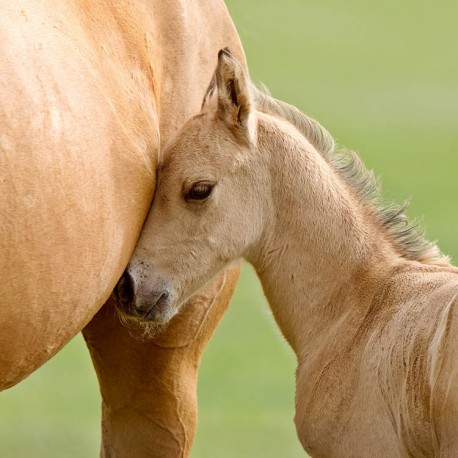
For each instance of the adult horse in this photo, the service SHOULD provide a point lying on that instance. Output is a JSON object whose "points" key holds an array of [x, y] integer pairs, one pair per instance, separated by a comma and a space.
{"points": [[90, 91]]}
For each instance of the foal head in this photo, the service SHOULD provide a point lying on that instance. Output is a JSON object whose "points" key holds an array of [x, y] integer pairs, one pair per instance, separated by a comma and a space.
{"points": [[208, 209]]}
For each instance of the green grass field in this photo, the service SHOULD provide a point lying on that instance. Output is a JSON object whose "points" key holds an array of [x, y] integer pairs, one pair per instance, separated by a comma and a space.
{"points": [[382, 77]]}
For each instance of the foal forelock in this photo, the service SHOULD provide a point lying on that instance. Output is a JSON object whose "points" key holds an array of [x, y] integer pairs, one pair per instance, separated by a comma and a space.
{"points": [[406, 235]]}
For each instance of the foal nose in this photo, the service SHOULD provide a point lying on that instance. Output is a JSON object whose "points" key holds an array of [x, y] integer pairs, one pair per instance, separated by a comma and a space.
{"points": [[145, 303]]}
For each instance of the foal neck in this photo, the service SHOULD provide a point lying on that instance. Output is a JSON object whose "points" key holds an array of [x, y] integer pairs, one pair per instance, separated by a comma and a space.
{"points": [[323, 257]]}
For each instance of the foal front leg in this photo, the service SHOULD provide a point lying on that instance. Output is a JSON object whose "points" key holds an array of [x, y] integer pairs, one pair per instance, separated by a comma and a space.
{"points": [[148, 387]]}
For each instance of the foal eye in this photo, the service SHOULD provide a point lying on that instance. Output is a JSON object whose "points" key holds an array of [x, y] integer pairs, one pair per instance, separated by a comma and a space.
{"points": [[199, 191]]}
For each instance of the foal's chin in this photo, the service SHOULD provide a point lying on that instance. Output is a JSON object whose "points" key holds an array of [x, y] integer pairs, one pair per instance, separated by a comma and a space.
{"points": [[149, 326]]}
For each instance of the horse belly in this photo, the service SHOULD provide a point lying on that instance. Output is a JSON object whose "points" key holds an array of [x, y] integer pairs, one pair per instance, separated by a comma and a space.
{"points": [[75, 182]]}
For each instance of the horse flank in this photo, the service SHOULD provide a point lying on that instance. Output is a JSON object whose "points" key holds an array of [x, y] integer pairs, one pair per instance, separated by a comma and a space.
{"points": [[405, 235]]}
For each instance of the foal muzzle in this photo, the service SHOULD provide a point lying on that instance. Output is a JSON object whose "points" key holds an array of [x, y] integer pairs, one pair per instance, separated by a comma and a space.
{"points": [[140, 300]]}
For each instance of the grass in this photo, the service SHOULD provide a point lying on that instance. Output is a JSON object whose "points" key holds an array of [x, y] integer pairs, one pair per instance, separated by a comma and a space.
{"points": [[382, 78], [55, 412]]}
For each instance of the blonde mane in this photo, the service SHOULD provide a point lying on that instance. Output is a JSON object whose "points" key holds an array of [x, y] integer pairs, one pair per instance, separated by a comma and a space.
{"points": [[405, 235]]}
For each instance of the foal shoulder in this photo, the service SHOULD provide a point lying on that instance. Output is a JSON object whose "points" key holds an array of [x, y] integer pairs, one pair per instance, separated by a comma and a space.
{"points": [[444, 381]]}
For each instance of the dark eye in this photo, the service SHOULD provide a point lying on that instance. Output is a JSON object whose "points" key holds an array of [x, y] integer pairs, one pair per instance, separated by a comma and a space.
{"points": [[199, 191]]}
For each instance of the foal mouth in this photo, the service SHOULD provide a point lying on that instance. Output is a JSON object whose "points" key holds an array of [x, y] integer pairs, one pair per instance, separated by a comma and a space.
{"points": [[158, 311], [144, 303]]}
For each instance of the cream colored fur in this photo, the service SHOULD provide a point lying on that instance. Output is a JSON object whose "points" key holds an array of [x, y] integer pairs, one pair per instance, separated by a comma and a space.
{"points": [[373, 325]]}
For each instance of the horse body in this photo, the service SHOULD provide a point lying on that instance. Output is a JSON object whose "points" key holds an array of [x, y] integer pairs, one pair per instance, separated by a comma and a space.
{"points": [[71, 139], [368, 326], [90, 91], [374, 382], [365, 302]]}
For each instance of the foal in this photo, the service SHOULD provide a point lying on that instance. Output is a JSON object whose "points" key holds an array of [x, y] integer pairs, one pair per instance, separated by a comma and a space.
{"points": [[368, 305]]}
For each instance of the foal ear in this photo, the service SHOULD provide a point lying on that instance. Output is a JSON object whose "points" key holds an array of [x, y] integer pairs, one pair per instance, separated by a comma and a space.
{"points": [[209, 92], [235, 105]]}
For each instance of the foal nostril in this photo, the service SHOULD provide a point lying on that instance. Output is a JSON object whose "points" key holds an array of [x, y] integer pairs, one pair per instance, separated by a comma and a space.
{"points": [[125, 289]]}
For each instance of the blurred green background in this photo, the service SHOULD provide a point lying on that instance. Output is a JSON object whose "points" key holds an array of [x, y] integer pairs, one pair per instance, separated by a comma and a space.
{"points": [[383, 78]]}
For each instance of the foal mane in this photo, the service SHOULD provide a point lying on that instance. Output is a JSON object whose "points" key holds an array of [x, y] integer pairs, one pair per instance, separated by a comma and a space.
{"points": [[406, 236]]}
